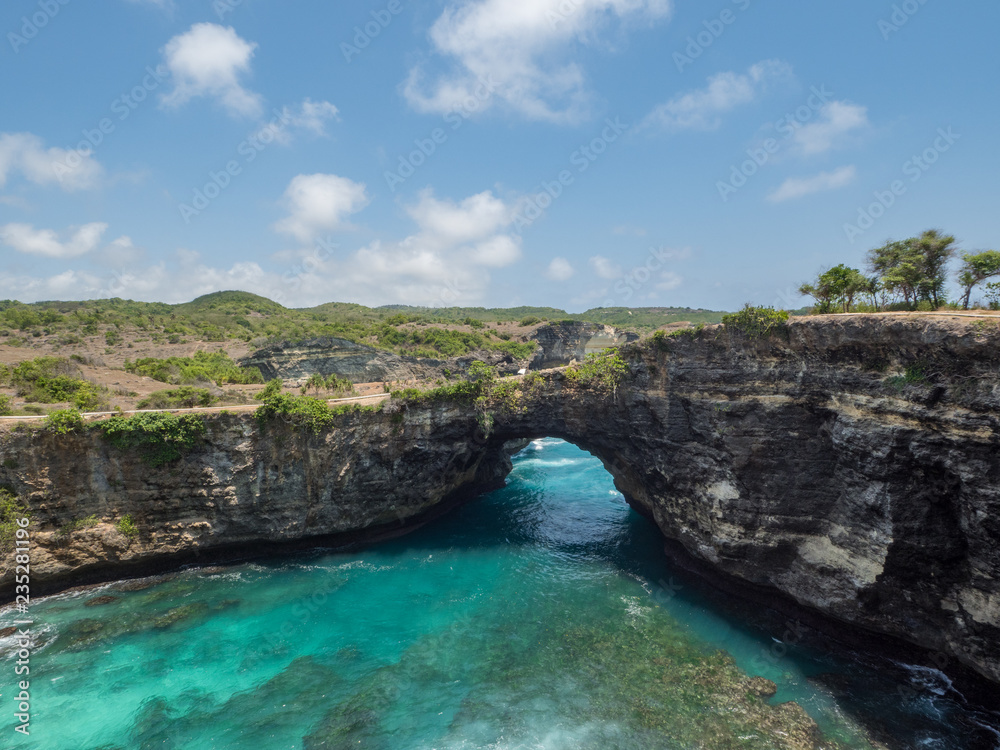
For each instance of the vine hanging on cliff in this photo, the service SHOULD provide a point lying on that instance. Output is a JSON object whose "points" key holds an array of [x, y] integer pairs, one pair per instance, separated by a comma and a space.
{"points": [[158, 438]]}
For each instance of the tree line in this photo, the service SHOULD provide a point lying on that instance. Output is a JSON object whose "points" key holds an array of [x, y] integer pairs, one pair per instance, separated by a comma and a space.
{"points": [[909, 274]]}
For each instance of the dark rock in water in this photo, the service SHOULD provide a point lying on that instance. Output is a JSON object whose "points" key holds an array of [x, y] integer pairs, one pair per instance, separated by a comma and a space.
{"points": [[179, 614], [137, 584], [4, 632], [82, 634], [98, 601]]}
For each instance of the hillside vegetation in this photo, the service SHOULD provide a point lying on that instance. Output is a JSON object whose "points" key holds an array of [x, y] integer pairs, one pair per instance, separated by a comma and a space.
{"points": [[243, 317]]}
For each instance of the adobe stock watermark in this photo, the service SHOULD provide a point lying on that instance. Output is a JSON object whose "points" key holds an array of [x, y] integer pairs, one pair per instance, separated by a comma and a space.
{"points": [[714, 28], [633, 280], [448, 293], [218, 180], [901, 14], [794, 633], [294, 277], [532, 207], [740, 174], [223, 8], [914, 168], [31, 25], [408, 164], [123, 106], [363, 35]]}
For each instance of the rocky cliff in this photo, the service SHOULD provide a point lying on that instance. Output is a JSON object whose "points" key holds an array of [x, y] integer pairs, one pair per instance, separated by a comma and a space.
{"points": [[558, 344], [849, 464]]}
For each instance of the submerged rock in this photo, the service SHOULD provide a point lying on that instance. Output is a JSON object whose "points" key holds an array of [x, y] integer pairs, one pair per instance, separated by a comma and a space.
{"points": [[762, 687], [99, 601]]}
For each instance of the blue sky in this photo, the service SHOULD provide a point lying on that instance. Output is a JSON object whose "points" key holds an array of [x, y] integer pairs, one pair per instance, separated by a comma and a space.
{"points": [[573, 153]]}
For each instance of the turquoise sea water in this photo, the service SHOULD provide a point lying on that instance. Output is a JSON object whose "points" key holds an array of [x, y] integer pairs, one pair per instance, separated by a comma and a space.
{"points": [[541, 616]]}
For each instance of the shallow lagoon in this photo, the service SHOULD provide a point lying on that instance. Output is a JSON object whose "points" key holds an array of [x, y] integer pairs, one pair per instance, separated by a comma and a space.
{"points": [[543, 615]]}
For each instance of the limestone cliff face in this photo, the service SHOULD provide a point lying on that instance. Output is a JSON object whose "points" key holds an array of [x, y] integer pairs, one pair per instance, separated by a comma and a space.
{"points": [[374, 474], [328, 355], [851, 465], [558, 343]]}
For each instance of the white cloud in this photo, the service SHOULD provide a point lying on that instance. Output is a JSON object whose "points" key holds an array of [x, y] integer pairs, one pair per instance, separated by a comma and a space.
{"points": [[605, 268], [25, 153], [795, 187], [559, 270], [24, 238], [446, 260], [310, 116], [669, 280], [448, 223], [207, 60], [120, 253], [313, 116], [514, 51], [318, 203], [836, 119], [702, 109]]}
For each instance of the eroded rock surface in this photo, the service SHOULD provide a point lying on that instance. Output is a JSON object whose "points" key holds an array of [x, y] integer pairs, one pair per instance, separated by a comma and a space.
{"points": [[851, 465]]}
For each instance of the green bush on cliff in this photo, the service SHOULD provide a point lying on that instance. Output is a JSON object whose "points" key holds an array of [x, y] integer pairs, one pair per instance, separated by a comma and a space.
{"points": [[756, 322], [6, 405], [462, 392], [603, 370], [157, 438], [64, 421], [80, 523], [305, 411], [491, 396], [127, 527], [11, 509], [517, 350]]}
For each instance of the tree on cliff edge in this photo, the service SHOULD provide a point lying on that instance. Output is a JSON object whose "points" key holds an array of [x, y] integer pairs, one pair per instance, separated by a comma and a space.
{"points": [[915, 268], [837, 286], [976, 268]]}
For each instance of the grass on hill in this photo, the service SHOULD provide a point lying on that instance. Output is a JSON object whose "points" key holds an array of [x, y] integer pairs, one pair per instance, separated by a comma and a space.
{"points": [[203, 367], [255, 321], [53, 380]]}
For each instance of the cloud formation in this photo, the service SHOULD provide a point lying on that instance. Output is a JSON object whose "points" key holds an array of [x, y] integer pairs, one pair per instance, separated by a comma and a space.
{"points": [[26, 154], [207, 60], [605, 268], [559, 270], [702, 109], [522, 47], [795, 187], [836, 119], [319, 203], [24, 238]]}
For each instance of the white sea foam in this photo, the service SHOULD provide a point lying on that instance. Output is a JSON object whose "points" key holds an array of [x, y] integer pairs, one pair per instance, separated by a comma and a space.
{"points": [[932, 680]]}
